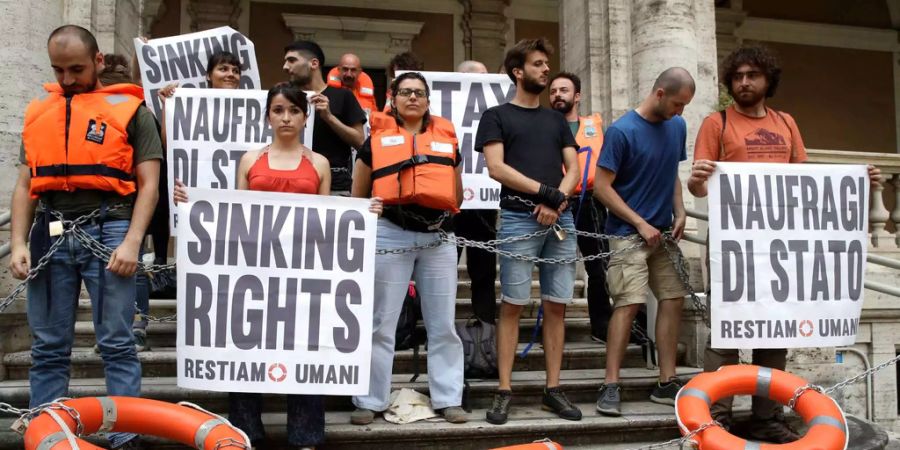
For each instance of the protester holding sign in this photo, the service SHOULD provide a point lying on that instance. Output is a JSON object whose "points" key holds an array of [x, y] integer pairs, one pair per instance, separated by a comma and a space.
{"points": [[286, 165], [420, 198], [526, 147], [85, 147], [590, 214], [637, 179], [749, 131], [339, 119]]}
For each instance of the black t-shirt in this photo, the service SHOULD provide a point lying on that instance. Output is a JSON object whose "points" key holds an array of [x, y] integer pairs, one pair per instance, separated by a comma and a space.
{"points": [[344, 106], [405, 216], [533, 140]]}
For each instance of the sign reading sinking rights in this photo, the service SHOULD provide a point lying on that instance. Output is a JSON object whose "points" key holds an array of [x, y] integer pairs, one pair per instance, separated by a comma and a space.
{"points": [[462, 98], [788, 246], [209, 130], [275, 293], [182, 59]]}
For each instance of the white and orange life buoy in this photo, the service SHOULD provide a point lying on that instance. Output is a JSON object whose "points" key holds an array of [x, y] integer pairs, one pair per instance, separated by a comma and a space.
{"points": [[53, 429], [545, 444], [826, 422]]}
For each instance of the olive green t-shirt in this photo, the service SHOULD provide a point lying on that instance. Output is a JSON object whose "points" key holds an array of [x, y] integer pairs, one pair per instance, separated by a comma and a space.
{"points": [[143, 135]]}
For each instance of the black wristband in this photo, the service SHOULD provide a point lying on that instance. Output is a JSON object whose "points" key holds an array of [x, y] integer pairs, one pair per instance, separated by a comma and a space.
{"points": [[551, 196]]}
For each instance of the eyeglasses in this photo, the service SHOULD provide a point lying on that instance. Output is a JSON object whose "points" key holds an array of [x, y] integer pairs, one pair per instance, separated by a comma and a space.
{"points": [[406, 92]]}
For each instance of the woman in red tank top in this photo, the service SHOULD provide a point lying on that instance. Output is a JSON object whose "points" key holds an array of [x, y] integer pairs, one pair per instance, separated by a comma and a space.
{"points": [[285, 165]]}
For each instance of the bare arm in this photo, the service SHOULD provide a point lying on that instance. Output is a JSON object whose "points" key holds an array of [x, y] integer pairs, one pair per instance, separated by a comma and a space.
{"points": [[604, 192], [123, 261], [362, 180], [701, 170], [570, 180], [678, 210], [352, 135], [323, 168], [22, 216]]}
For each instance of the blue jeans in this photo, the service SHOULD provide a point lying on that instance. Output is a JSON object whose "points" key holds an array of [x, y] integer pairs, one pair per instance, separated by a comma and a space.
{"points": [[52, 320], [557, 280], [434, 271]]}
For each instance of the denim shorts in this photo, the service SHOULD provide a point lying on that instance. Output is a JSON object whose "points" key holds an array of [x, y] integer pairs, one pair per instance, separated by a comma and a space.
{"points": [[557, 280]]}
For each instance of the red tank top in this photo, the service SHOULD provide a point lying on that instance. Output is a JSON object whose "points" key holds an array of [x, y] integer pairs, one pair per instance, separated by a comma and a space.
{"points": [[302, 180]]}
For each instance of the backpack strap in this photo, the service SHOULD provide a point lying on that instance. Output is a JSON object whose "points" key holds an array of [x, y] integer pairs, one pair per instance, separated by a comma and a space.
{"points": [[722, 135], [790, 131]]}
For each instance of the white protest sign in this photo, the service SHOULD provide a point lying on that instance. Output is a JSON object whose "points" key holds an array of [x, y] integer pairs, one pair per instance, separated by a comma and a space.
{"points": [[788, 245], [275, 293], [462, 98], [182, 59], [209, 130]]}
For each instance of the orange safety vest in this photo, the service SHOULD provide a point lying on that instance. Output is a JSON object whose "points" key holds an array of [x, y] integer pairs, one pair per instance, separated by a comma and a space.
{"points": [[380, 120], [81, 142], [590, 141], [363, 90], [415, 168]]}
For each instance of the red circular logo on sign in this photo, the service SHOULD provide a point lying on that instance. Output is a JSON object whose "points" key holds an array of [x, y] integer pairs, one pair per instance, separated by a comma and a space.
{"points": [[277, 372], [808, 330], [468, 194]]}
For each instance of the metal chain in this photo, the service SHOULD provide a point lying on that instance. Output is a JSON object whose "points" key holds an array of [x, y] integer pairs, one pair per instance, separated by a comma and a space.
{"points": [[862, 375], [681, 268], [229, 442], [682, 440], [792, 403]]}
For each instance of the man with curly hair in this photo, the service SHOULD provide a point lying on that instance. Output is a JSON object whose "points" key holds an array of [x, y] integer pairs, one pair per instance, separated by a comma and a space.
{"points": [[749, 131]]}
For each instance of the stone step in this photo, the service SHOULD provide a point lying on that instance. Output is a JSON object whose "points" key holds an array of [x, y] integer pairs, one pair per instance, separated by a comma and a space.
{"points": [[642, 421], [160, 361], [579, 385], [162, 334]]}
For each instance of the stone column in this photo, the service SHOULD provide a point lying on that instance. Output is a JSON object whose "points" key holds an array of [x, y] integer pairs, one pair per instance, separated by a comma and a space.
{"points": [[484, 27]]}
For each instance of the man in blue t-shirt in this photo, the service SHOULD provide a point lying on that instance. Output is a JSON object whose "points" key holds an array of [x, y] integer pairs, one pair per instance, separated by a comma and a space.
{"points": [[637, 180]]}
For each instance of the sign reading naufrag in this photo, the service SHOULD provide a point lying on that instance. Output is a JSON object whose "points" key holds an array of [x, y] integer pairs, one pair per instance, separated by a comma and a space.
{"points": [[209, 130], [462, 98], [275, 293], [182, 59], [788, 246]]}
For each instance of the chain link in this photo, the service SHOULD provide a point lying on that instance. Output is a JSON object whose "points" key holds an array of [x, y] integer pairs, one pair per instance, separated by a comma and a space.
{"points": [[681, 268], [682, 440]]}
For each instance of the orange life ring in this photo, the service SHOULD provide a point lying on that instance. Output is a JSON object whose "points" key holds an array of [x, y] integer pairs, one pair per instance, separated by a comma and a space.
{"points": [[827, 425], [192, 427], [545, 444]]}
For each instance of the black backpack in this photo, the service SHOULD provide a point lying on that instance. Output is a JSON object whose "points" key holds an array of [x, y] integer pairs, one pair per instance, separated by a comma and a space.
{"points": [[479, 347]]}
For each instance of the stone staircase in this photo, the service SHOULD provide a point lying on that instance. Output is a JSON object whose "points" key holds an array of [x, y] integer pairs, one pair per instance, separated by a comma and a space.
{"points": [[642, 422]]}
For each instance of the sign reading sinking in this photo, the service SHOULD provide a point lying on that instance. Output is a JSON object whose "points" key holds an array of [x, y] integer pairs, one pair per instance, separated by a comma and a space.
{"points": [[209, 130], [182, 59], [275, 293], [787, 254], [462, 98]]}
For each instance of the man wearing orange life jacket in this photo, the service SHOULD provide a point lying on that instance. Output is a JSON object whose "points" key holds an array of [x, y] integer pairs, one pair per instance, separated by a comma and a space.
{"points": [[349, 75], [590, 214], [86, 147]]}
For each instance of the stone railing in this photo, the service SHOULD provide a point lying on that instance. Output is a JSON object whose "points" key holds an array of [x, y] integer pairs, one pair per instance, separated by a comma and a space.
{"points": [[884, 206]]}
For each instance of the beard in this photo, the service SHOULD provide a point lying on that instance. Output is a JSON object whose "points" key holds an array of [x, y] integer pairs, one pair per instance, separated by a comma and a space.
{"points": [[348, 82], [566, 106], [748, 98], [532, 85]]}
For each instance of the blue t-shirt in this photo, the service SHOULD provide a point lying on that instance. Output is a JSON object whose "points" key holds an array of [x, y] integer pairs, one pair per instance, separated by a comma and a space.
{"points": [[645, 156]]}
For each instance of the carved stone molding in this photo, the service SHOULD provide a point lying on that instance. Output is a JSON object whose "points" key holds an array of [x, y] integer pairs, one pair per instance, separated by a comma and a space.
{"points": [[206, 14], [484, 26], [153, 11], [375, 41], [728, 20]]}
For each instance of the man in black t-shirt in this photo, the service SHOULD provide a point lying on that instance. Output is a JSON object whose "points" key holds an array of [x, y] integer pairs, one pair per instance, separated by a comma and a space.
{"points": [[339, 119], [526, 146]]}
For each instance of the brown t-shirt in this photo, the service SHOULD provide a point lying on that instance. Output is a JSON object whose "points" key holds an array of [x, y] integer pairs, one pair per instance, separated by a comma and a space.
{"points": [[770, 139]]}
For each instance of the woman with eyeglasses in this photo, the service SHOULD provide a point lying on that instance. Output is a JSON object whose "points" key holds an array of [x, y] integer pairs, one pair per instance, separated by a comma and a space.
{"points": [[412, 163]]}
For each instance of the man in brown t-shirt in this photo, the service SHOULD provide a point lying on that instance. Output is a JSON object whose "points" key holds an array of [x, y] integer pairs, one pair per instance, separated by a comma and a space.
{"points": [[749, 131]]}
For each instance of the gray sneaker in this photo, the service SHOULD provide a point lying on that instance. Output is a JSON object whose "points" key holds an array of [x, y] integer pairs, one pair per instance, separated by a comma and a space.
{"points": [[609, 401], [665, 394], [555, 400], [362, 416], [140, 340], [454, 414]]}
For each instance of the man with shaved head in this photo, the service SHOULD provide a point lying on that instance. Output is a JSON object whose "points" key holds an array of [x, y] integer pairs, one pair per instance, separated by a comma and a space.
{"points": [[85, 148], [348, 74], [470, 66], [637, 180]]}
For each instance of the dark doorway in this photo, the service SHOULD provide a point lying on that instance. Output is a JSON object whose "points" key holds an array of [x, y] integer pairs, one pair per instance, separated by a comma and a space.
{"points": [[379, 82]]}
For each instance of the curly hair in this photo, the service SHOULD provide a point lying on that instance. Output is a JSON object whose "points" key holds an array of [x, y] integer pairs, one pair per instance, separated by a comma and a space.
{"points": [[405, 61], [757, 56], [115, 70]]}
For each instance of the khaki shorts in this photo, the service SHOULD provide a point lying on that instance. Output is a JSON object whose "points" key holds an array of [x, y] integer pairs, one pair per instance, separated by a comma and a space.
{"points": [[631, 272]]}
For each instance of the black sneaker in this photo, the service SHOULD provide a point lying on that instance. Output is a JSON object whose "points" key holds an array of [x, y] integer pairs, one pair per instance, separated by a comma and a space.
{"points": [[499, 412], [664, 394], [132, 444], [609, 401], [774, 430], [555, 400]]}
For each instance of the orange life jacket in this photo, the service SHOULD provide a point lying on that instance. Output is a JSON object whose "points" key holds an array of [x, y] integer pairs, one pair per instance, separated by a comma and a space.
{"points": [[419, 169], [380, 120], [81, 142], [363, 90], [590, 141]]}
